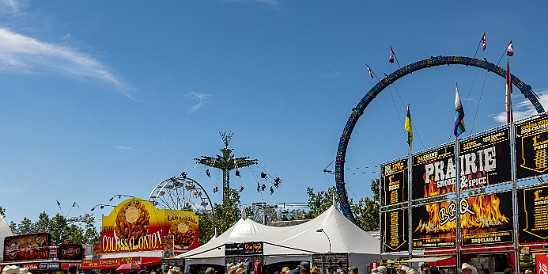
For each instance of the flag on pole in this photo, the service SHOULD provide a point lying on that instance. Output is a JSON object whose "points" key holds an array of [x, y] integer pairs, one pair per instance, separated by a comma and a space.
{"points": [[459, 115], [392, 55], [484, 42], [510, 49], [369, 71], [509, 116], [409, 128]]}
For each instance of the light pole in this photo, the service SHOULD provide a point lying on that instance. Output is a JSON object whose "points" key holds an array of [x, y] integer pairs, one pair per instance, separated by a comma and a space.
{"points": [[321, 230]]}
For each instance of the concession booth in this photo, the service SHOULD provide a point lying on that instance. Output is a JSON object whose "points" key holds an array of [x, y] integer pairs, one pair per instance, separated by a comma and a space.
{"points": [[137, 232], [501, 218], [34, 252]]}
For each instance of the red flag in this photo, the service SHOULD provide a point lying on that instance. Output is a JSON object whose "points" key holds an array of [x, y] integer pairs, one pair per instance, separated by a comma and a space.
{"points": [[392, 54], [484, 42], [369, 70], [509, 116], [510, 49]]}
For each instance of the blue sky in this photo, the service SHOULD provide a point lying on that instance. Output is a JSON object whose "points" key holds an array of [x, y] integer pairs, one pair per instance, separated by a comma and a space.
{"points": [[100, 98]]}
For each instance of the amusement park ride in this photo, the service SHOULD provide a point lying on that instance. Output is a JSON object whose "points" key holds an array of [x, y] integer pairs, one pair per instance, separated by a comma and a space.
{"points": [[399, 218], [184, 193]]}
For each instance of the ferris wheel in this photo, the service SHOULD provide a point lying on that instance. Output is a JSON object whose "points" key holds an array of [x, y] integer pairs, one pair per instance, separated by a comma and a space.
{"points": [[180, 193]]}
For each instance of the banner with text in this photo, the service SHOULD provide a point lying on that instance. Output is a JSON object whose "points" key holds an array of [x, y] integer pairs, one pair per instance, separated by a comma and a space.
{"points": [[394, 180], [485, 219], [485, 159], [395, 226], [532, 148], [433, 172], [533, 214]]}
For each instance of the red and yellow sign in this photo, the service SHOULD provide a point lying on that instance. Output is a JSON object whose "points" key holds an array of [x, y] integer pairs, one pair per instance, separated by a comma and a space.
{"points": [[136, 225]]}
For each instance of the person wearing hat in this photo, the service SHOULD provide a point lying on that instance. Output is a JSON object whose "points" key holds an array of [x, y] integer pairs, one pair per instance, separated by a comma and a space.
{"points": [[382, 269], [24, 270], [402, 269], [353, 270], [285, 270], [468, 269], [10, 269], [240, 270], [304, 267], [72, 269]]}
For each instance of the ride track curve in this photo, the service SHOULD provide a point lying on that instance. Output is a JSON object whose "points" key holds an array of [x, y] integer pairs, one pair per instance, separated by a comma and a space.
{"points": [[344, 205]]}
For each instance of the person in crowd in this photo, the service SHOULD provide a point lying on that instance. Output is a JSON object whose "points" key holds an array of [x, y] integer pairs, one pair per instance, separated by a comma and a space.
{"points": [[233, 269], [402, 269], [210, 270], [469, 269], [353, 270], [435, 270], [72, 269], [425, 268], [330, 270], [315, 270], [382, 269], [10, 269], [304, 267], [375, 271], [285, 270]]}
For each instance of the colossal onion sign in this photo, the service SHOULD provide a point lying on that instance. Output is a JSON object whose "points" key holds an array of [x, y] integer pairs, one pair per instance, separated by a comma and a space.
{"points": [[136, 225]]}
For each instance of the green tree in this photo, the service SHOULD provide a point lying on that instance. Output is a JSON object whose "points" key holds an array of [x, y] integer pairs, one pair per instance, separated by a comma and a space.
{"points": [[366, 211], [223, 216], [2, 212], [43, 223], [319, 202]]}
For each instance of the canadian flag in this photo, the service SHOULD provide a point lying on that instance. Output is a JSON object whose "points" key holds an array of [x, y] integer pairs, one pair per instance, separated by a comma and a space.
{"points": [[484, 42], [391, 59], [369, 71], [510, 49]]}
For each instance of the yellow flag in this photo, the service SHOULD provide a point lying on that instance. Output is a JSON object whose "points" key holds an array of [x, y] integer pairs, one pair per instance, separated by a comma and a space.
{"points": [[409, 128]]}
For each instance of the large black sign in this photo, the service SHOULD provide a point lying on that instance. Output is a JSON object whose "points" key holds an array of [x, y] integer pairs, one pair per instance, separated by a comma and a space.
{"points": [[533, 214], [532, 148], [485, 219], [395, 230], [239, 249], [485, 159], [433, 172], [336, 260], [394, 182]]}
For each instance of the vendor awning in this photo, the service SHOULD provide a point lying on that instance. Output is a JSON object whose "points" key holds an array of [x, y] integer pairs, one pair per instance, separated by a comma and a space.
{"points": [[427, 259]]}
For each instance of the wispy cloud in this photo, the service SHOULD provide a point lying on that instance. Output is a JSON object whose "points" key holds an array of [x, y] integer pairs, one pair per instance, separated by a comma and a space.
{"points": [[523, 108], [200, 97], [23, 54], [118, 147], [10, 6], [270, 3]]}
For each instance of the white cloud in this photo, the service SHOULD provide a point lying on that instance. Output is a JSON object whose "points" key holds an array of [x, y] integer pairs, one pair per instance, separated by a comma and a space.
{"points": [[118, 147], [270, 3], [523, 108], [200, 97], [23, 54]]}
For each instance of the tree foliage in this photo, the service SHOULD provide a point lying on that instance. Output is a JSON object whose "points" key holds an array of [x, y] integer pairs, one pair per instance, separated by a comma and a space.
{"points": [[366, 210], [80, 230], [224, 215]]}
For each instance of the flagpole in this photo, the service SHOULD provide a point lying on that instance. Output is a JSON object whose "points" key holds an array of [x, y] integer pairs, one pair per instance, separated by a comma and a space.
{"points": [[409, 129], [458, 202]]}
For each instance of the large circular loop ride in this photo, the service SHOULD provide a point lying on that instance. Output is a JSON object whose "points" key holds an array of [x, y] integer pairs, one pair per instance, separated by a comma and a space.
{"points": [[388, 80], [180, 193]]}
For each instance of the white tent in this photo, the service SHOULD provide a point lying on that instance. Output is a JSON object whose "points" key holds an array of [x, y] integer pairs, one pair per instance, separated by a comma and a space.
{"points": [[294, 243], [4, 232]]}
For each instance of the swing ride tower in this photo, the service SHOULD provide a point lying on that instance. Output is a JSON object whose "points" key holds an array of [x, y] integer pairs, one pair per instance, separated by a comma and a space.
{"points": [[226, 162]]}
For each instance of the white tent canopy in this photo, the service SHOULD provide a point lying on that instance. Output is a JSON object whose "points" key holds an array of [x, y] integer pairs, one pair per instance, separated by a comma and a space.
{"points": [[294, 243], [4, 232]]}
